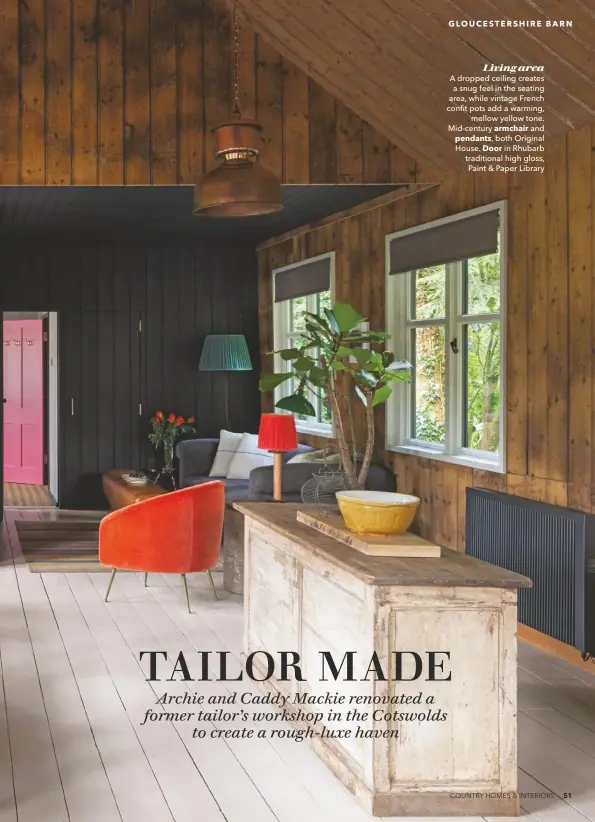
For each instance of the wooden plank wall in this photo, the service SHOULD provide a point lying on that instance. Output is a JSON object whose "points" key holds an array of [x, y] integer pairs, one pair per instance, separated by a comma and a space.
{"points": [[181, 290], [112, 92], [551, 325]]}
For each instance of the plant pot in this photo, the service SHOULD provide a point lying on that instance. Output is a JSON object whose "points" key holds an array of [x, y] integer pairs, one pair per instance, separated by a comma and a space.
{"points": [[377, 513]]}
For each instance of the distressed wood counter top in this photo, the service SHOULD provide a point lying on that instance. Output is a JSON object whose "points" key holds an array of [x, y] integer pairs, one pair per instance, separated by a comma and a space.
{"points": [[452, 569]]}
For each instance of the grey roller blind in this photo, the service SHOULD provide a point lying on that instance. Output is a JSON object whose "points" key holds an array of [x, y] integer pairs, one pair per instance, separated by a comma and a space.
{"points": [[309, 277], [447, 243]]}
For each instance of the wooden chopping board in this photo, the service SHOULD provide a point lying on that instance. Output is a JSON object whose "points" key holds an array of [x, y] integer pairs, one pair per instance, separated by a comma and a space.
{"points": [[396, 545]]}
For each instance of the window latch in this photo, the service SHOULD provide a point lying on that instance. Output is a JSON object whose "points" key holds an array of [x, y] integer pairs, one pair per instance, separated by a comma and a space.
{"points": [[453, 346]]}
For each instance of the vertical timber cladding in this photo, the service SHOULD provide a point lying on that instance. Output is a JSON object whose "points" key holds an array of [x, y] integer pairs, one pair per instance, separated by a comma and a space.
{"points": [[109, 366], [550, 378], [114, 92]]}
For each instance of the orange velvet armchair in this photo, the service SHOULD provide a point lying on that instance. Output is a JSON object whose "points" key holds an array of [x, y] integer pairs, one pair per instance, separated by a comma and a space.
{"points": [[176, 533]]}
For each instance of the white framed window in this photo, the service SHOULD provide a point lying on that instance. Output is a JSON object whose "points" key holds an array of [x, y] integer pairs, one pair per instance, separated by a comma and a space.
{"points": [[448, 321], [288, 324]]}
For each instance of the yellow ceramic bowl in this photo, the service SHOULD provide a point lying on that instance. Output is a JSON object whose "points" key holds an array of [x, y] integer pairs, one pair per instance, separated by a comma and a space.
{"points": [[377, 513]]}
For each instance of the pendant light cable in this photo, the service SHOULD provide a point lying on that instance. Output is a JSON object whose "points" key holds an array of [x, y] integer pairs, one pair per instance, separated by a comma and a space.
{"points": [[236, 52]]}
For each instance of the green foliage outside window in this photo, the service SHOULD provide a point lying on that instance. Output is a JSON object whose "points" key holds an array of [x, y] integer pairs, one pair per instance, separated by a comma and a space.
{"points": [[482, 428], [480, 349], [429, 356]]}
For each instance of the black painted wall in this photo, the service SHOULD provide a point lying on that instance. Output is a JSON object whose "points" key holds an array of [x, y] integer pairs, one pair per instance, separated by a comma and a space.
{"points": [[180, 291]]}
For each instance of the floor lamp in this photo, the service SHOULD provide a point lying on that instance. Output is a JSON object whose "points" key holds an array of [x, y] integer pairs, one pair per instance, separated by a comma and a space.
{"points": [[225, 352]]}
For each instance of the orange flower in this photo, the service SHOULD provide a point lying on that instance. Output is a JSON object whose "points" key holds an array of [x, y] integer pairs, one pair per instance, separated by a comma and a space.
{"points": [[159, 415], [191, 420], [179, 420], [172, 418]]}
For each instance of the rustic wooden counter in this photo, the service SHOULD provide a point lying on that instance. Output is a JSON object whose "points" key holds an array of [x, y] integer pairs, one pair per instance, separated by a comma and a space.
{"points": [[418, 747]]}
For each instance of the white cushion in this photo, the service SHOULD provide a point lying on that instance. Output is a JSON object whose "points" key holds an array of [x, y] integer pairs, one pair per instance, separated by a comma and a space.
{"points": [[228, 444], [315, 456], [248, 456]]}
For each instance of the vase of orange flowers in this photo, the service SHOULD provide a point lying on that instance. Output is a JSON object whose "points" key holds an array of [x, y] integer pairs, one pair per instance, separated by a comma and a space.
{"points": [[165, 432]]}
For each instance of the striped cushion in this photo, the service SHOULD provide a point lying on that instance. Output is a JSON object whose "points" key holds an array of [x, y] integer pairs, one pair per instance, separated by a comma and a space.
{"points": [[228, 444], [247, 457]]}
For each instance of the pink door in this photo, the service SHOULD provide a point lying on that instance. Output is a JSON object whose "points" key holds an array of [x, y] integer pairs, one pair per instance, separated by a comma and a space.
{"points": [[23, 410]]}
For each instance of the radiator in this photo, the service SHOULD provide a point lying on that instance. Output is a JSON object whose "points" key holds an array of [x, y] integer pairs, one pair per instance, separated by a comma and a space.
{"points": [[554, 547]]}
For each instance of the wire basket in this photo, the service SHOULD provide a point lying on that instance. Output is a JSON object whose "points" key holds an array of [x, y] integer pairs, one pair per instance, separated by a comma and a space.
{"points": [[321, 489]]}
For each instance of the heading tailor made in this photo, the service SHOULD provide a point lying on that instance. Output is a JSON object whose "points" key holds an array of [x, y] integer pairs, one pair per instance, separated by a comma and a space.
{"points": [[260, 666]]}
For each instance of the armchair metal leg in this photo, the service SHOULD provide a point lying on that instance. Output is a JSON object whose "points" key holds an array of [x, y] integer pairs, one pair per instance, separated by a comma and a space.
{"points": [[146, 575], [213, 584], [185, 581], [111, 579]]}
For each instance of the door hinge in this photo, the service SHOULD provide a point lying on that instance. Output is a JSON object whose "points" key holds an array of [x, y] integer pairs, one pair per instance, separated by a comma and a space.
{"points": [[140, 409], [140, 326], [45, 336], [45, 459]]}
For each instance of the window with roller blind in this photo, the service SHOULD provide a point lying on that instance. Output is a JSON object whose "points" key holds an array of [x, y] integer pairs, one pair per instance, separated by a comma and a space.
{"points": [[304, 286], [446, 315]]}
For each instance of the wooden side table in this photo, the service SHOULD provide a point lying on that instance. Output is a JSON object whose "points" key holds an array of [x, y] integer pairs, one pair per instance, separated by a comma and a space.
{"points": [[119, 493]]}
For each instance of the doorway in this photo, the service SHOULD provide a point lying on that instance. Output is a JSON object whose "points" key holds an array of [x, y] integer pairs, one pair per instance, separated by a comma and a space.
{"points": [[30, 412]]}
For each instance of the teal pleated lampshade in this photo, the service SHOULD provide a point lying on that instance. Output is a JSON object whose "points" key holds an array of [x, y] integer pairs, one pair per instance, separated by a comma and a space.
{"points": [[225, 352]]}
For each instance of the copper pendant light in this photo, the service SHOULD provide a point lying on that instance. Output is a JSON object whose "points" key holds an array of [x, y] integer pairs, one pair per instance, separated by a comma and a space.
{"points": [[240, 186]]}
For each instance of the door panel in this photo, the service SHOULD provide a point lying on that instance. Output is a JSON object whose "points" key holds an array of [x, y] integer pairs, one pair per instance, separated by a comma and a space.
{"points": [[23, 410], [100, 397]]}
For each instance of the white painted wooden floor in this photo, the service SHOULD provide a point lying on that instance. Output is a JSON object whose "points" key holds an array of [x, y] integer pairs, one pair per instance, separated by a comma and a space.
{"points": [[73, 695]]}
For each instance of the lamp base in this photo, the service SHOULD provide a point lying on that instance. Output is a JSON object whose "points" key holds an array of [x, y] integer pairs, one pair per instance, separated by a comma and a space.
{"points": [[278, 477]]}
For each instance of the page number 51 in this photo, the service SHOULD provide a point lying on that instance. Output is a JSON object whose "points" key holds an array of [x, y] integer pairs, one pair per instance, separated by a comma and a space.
{"points": [[566, 796]]}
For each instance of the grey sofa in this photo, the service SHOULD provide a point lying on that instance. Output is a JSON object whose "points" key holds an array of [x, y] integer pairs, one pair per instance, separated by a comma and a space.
{"points": [[197, 456]]}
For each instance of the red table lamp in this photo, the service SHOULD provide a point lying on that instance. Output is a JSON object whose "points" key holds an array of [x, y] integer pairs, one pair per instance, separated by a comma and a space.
{"points": [[277, 434]]}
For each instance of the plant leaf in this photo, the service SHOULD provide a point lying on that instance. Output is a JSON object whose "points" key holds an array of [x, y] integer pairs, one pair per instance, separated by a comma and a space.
{"points": [[337, 365], [297, 404], [366, 337], [362, 355], [317, 377], [366, 378], [399, 366], [304, 364], [347, 317], [332, 320], [289, 353], [318, 324], [393, 376], [382, 394], [343, 351], [375, 361], [268, 382], [361, 394], [316, 336]]}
